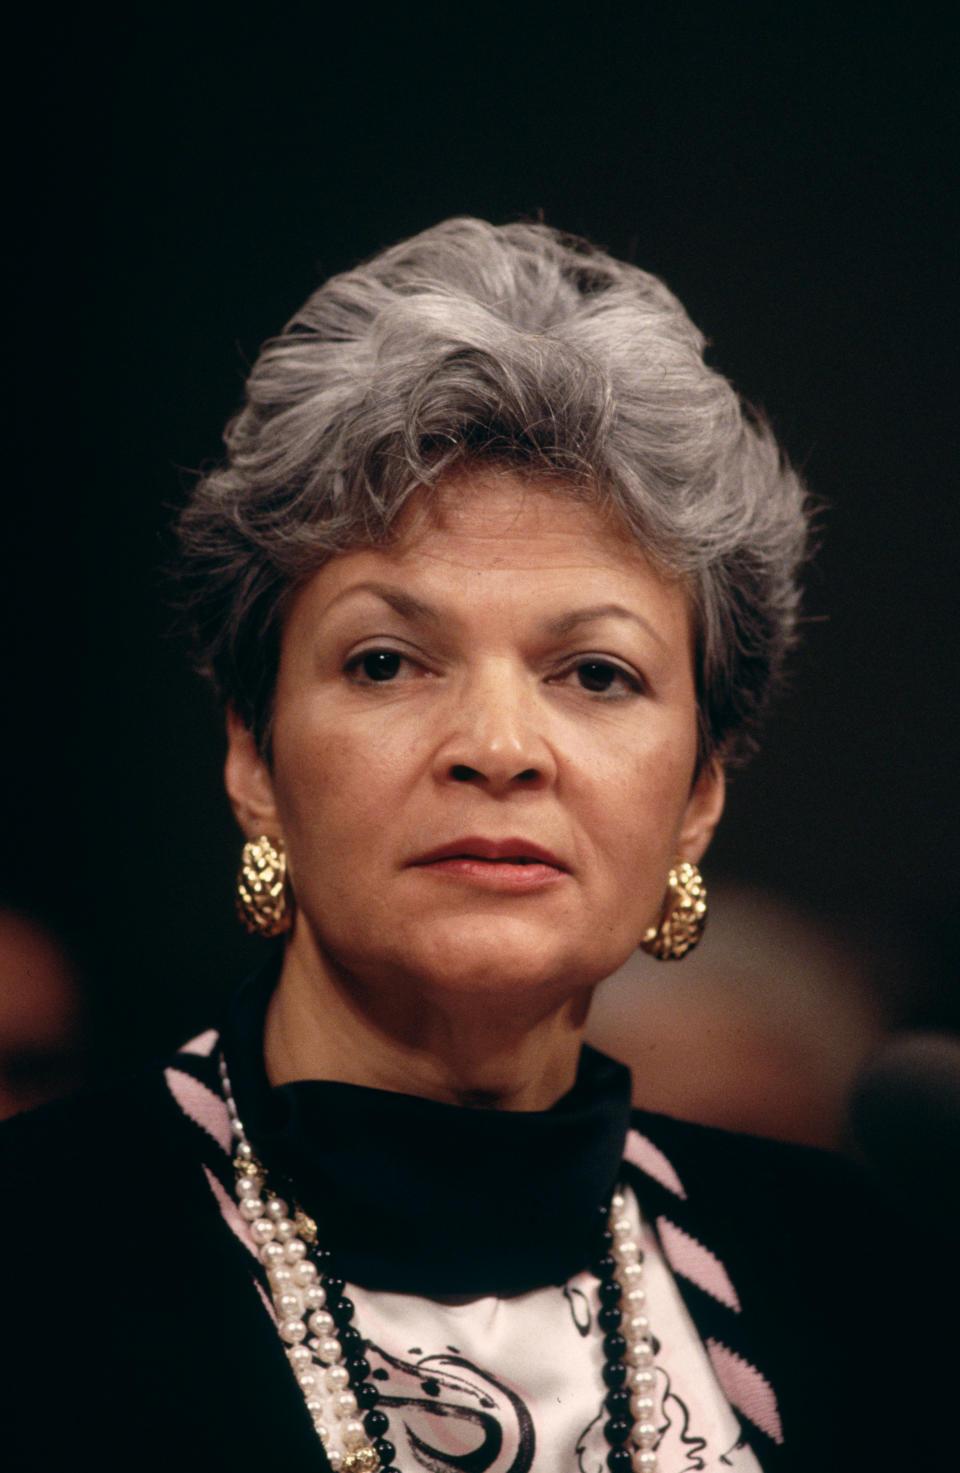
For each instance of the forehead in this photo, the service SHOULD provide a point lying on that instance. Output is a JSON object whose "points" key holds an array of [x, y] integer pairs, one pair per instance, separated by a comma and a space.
{"points": [[490, 541], [490, 520]]}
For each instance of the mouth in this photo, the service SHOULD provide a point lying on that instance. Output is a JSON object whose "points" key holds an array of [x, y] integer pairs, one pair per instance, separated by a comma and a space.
{"points": [[514, 866], [493, 851]]}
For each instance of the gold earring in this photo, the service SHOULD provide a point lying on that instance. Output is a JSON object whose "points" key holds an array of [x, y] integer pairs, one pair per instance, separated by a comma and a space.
{"points": [[683, 917], [262, 888]]}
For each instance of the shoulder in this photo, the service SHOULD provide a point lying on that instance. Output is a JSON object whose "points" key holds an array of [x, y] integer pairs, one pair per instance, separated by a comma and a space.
{"points": [[118, 1139], [791, 1256], [116, 1253], [710, 1141], [795, 1227], [746, 1172], [106, 1119]]}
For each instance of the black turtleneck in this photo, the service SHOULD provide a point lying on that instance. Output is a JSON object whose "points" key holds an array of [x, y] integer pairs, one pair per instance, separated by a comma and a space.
{"points": [[419, 1197]]}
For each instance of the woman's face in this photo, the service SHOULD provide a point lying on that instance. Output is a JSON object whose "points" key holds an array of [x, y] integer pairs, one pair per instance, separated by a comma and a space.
{"points": [[484, 748]]}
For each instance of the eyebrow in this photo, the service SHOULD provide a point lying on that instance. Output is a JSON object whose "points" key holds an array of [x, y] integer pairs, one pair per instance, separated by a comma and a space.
{"points": [[398, 599], [567, 623], [408, 607]]}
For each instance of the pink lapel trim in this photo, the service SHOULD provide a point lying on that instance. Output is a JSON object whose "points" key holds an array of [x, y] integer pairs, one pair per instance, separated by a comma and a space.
{"points": [[641, 1152], [203, 1045], [690, 1258], [201, 1104], [747, 1389]]}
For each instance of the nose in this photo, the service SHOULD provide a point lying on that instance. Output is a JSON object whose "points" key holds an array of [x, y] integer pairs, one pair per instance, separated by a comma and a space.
{"points": [[497, 739]]}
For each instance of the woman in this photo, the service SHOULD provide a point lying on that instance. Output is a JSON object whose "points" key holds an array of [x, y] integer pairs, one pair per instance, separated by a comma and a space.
{"points": [[494, 582]]}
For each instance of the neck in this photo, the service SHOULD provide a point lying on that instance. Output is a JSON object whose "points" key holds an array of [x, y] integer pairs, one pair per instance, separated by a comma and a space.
{"points": [[493, 1050]]}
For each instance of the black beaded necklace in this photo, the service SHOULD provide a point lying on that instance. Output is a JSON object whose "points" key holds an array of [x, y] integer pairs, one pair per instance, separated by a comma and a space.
{"points": [[309, 1295]]}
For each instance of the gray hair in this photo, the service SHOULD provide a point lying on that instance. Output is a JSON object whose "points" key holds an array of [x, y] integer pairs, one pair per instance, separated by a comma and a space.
{"points": [[514, 345]]}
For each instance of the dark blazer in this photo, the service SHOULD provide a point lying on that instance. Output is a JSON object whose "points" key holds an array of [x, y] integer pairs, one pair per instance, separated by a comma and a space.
{"points": [[134, 1337]]}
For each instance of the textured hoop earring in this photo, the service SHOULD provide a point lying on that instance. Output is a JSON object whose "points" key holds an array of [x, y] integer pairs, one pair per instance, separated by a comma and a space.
{"points": [[682, 918], [262, 888]]}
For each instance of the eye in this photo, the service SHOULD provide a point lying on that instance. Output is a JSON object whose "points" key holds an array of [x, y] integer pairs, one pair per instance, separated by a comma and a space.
{"points": [[602, 678], [376, 666]]}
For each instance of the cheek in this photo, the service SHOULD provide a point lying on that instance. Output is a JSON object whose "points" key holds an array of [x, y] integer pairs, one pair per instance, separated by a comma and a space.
{"points": [[334, 788], [640, 812]]}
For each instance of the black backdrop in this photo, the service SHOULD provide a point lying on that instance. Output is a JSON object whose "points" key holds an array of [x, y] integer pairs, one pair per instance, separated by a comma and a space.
{"points": [[179, 184]]}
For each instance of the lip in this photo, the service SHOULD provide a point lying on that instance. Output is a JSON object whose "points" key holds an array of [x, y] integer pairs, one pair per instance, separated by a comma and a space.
{"points": [[492, 850], [493, 865]]}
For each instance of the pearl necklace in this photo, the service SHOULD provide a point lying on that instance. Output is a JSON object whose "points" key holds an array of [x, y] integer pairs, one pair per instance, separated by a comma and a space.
{"points": [[326, 1352]]}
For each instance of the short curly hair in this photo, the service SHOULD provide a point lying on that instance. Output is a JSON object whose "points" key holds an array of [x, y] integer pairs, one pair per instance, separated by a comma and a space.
{"points": [[513, 344]]}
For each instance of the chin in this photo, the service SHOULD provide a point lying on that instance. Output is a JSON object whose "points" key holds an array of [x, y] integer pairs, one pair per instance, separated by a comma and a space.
{"points": [[504, 957]]}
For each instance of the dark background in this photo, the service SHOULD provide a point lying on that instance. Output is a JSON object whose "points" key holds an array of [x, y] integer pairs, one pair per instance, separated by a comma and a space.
{"points": [[177, 186]]}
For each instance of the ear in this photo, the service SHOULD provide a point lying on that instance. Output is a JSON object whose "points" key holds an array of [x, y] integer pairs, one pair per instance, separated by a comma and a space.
{"points": [[702, 813], [248, 782]]}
